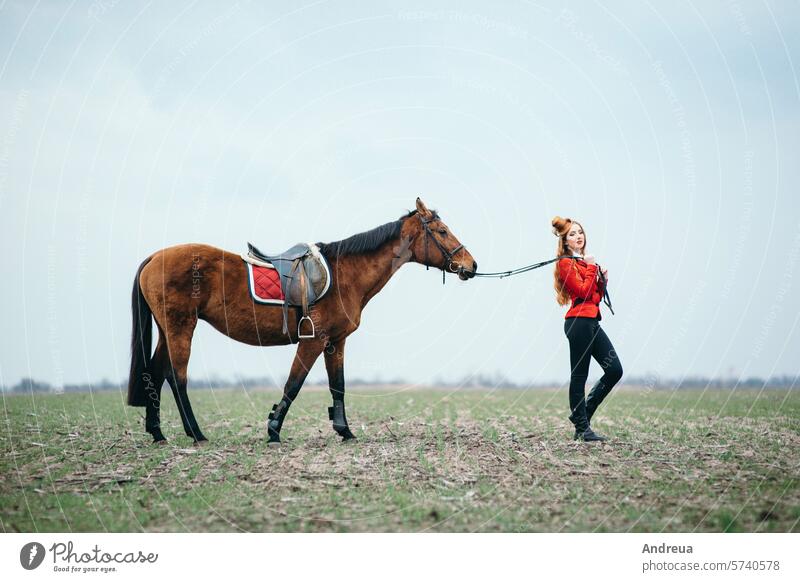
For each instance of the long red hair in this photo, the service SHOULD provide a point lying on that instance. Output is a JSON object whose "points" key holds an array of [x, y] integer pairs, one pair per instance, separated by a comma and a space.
{"points": [[561, 228]]}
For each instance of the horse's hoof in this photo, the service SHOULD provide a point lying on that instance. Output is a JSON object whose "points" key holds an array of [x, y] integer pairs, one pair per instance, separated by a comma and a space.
{"points": [[201, 443], [160, 442], [274, 444], [349, 439]]}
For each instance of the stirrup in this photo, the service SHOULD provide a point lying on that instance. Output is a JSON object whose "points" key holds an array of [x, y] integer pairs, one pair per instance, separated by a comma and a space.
{"points": [[300, 325]]}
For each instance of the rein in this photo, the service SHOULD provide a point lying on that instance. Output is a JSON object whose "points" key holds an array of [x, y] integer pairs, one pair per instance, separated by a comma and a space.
{"points": [[525, 269], [448, 255]]}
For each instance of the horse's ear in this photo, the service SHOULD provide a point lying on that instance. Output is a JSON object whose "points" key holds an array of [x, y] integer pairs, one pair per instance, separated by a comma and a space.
{"points": [[421, 208]]}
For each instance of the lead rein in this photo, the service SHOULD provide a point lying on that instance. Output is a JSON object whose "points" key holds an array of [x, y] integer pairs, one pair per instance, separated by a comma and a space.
{"points": [[525, 269]]}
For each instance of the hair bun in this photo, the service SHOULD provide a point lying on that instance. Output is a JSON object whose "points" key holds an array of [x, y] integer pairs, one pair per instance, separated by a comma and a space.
{"points": [[560, 225]]}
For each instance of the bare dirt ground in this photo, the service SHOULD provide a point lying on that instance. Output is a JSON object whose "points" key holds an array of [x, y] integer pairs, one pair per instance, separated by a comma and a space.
{"points": [[432, 460]]}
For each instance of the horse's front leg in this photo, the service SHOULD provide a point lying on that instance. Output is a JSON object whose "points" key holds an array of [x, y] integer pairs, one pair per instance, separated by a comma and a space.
{"points": [[307, 353], [334, 363]]}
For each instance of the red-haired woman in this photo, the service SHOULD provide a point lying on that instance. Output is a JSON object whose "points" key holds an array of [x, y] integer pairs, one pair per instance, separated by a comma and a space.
{"points": [[579, 281]]}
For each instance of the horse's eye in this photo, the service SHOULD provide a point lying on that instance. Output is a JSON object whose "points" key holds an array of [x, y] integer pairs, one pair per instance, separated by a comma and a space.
{"points": [[442, 231]]}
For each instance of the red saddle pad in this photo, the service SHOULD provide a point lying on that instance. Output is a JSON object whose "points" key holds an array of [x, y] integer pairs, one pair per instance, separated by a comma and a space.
{"points": [[265, 284]]}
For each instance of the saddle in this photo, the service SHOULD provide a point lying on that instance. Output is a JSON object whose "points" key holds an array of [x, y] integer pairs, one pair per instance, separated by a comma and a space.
{"points": [[305, 278]]}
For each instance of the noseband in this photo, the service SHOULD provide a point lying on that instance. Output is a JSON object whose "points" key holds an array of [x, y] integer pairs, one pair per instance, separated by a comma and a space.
{"points": [[448, 255]]}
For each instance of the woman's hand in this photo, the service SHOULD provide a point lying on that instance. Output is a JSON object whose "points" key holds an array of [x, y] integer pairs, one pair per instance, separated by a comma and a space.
{"points": [[589, 259], [605, 273]]}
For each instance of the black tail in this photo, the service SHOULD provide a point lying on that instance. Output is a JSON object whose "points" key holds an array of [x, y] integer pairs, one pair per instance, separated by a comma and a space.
{"points": [[141, 343]]}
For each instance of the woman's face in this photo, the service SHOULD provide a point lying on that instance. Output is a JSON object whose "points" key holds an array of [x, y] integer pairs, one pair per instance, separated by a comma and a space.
{"points": [[575, 238]]}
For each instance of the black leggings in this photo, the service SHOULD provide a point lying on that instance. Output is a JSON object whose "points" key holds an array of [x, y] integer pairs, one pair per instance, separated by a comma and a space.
{"points": [[587, 340]]}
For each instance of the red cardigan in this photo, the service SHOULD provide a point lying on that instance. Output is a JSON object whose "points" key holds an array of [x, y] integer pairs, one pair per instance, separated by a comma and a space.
{"points": [[581, 283]]}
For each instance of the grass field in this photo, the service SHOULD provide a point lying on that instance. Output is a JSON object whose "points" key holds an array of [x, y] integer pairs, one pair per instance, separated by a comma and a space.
{"points": [[432, 460]]}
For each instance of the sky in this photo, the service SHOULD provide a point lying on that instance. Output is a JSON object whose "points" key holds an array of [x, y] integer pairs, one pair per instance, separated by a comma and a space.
{"points": [[670, 130]]}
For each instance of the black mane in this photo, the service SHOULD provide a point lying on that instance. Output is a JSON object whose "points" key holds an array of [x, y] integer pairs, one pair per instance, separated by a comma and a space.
{"points": [[365, 242]]}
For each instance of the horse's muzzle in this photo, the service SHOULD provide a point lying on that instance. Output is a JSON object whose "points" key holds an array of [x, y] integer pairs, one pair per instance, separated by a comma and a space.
{"points": [[465, 274]]}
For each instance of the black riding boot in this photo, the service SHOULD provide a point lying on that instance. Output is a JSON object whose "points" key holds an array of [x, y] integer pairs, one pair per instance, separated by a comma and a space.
{"points": [[588, 436], [596, 395], [583, 432]]}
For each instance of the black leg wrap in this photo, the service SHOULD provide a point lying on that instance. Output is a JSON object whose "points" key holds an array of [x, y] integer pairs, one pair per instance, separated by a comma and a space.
{"points": [[337, 415], [275, 422]]}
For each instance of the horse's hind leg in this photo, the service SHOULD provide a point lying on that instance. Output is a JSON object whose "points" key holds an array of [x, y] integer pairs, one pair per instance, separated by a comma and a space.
{"points": [[179, 341], [178, 384], [154, 380]]}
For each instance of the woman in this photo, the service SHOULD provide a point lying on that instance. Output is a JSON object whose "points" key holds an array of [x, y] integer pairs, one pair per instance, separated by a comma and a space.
{"points": [[578, 280]]}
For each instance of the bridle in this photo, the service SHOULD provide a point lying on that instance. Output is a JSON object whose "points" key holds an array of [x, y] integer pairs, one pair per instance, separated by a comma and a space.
{"points": [[448, 255]]}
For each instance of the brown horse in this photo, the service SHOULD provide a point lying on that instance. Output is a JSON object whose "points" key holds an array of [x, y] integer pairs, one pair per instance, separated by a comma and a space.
{"points": [[181, 284]]}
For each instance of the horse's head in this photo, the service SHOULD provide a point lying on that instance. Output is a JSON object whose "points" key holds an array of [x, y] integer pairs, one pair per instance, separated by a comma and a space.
{"points": [[434, 245]]}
